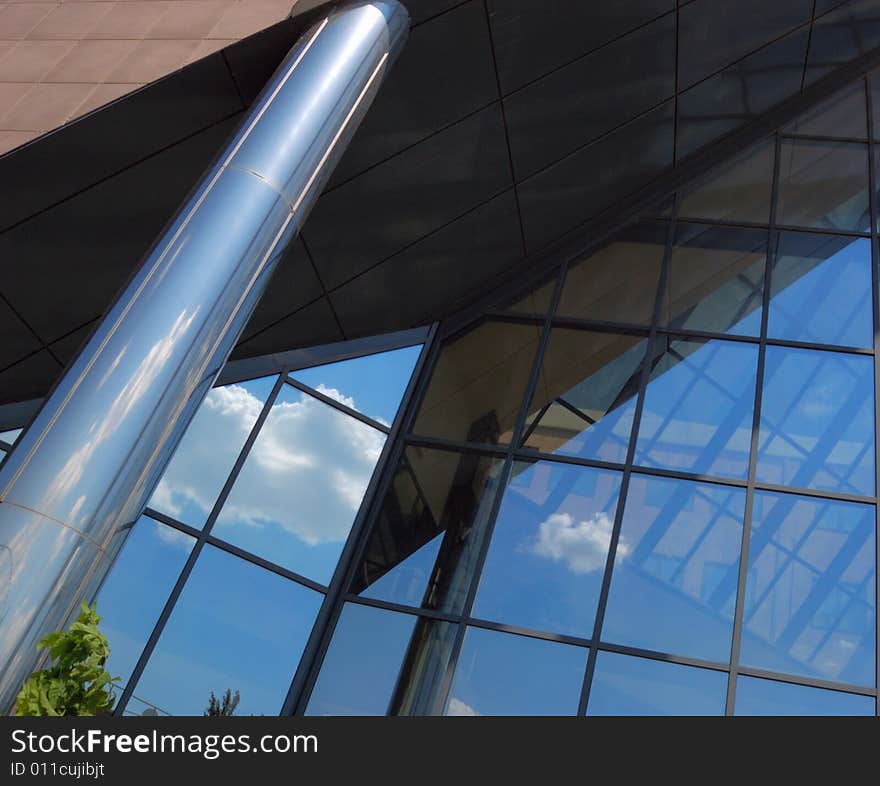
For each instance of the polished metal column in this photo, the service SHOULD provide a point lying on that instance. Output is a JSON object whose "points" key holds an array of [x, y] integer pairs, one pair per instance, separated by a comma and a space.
{"points": [[86, 466]]}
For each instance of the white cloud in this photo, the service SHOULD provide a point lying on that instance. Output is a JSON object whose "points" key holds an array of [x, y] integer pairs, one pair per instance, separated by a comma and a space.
{"points": [[459, 708], [582, 546], [307, 473], [207, 452]]}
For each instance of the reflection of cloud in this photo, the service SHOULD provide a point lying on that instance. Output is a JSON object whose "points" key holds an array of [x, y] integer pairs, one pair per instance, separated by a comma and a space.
{"points": [[458, 707], [307, 473], [207, 451], [582, 545]]}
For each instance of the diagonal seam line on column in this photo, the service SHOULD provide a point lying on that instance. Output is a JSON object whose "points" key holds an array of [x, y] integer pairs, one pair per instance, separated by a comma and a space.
{"points": [[56, 521]]}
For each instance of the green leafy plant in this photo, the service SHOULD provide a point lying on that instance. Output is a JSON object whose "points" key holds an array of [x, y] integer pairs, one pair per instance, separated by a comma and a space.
{"points": [[76, 683], [224, 707]]}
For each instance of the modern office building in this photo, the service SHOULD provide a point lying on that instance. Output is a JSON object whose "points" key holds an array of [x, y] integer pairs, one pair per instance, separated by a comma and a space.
{"points": [[561, 402]]}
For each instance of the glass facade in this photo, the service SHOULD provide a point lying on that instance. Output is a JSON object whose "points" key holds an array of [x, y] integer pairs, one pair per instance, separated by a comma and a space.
{"points": [[219, 583], [647, 485]]}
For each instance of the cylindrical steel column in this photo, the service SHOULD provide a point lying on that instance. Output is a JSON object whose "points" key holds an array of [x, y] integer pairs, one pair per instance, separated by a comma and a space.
{"points": [[88, 463]]}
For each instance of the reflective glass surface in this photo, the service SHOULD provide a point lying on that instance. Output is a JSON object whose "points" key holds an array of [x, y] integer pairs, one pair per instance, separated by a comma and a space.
{"points": [[624, 685], [586, 395], [716, 280], [477, 386], [810, 596], [300, 488], [136, 589], [619, 282], [205, 456], [843, 115], [235, 627], [698, 408], [422, 678], [755, 696], [502, 674], [536, 301], [673, 587], [736, 191], [823, 185], [820, 290], [426, 537], [817, 421], [373, 384], [10, 437], [549, 546], [361, 666]]}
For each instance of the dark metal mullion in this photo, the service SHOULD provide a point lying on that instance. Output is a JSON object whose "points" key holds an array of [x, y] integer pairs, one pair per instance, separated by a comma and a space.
{"points": [[197, 549], [310, 662], [819, 493], [574, 410], [575, 323], [605, 646], [875, 299], [531, 454], [503, 477], [736, 639], [849, 140], [647, 367], [805, 680], [338, 405]]}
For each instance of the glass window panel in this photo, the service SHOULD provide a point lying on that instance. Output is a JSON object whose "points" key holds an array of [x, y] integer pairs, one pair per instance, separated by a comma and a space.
{"points": [[478, 384], [235, 627], [843, 115], [298, 492], [502, 674], [209, 448], [136, 589], [619, 282], [755, 696], [820, 290], [536, 301], [623, 685], [427, 533], [549, 546], [383, 662], [697, 414], [373, 384], [586, 394], [716, 280], [673, 587], [817, 421], [10, 437], [823, 185], [737, 191], [360, 669], [810, 604]]}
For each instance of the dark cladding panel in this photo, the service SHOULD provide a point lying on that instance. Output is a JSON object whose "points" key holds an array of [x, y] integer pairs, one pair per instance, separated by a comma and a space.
{"points": [[427, 280], [578, 103], [416, 192], [86, 151], [715, 33], [580, 185]]}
